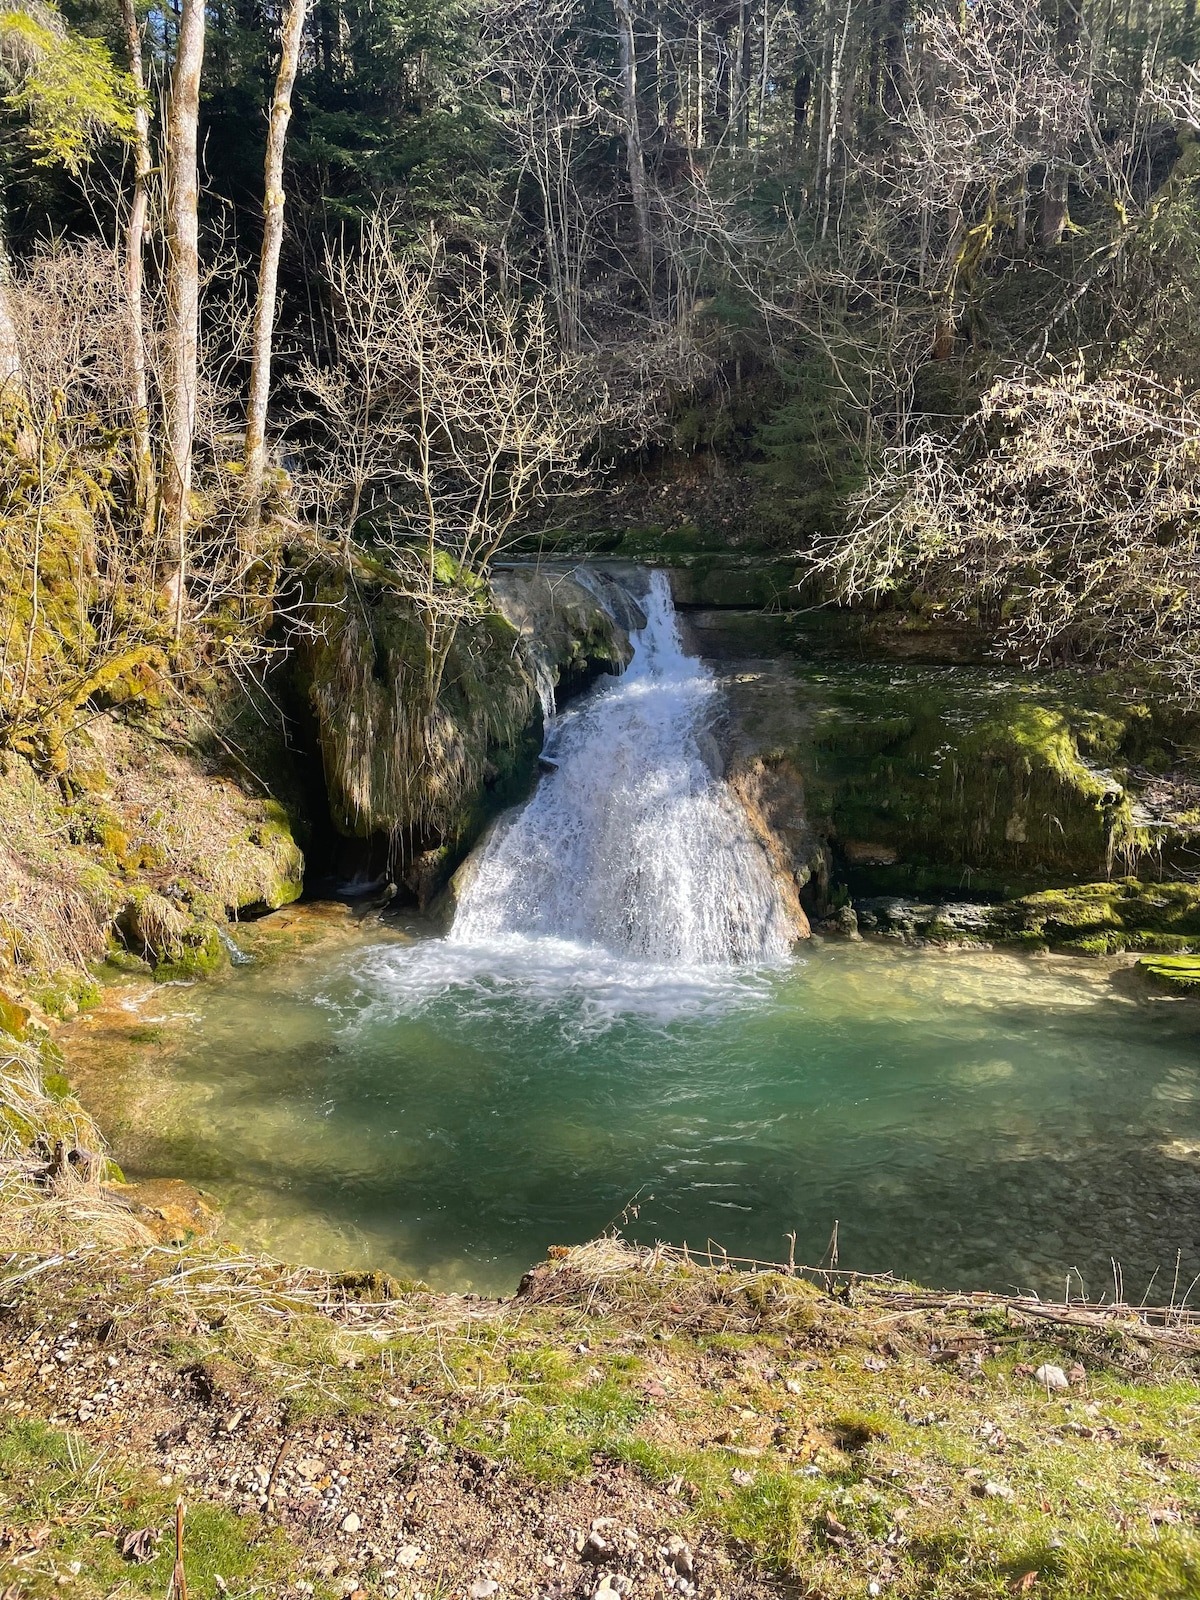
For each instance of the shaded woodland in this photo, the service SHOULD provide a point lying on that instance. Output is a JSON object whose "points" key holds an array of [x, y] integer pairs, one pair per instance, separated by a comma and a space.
{"points": [[902, 291]]}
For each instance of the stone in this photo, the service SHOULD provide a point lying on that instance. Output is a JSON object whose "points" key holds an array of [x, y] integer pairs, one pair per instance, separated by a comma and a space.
{"points": [[351, 1524], [680, 1556], [483, 1588], [1051, 1377], [612, 1586], [174, 1212]]}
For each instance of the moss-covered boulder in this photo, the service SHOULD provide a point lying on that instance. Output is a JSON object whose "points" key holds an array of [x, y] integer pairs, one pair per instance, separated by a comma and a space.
{"points": [[1086, 919], [1177, 974], [419, 770], [144, 845]]}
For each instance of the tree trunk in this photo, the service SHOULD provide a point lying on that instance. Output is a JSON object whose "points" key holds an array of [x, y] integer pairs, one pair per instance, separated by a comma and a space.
{"points": [[742, 75], [1022, 219], [831, 111], [268, 274], [633, 138], [1054, 206], [12, 369], [801, 95], [699, 105], [135, 242], [183, 290]]}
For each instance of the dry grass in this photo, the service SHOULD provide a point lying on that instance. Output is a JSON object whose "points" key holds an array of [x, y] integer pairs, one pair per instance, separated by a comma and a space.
{"points": [[52, 1165]]}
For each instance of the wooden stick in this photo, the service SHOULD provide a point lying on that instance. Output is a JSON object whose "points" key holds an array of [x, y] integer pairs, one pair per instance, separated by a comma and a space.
{"points": [[179, 1577]]}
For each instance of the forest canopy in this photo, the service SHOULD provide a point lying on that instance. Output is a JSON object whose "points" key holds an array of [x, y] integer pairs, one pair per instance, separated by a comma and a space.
{"points": [[400, 282]]}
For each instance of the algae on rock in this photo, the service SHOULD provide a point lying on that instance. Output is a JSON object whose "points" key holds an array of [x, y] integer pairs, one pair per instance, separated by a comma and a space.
{"points": [[395, 765], [428, 777]]}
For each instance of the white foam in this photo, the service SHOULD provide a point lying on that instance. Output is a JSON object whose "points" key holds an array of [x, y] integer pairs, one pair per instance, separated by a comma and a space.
{"points": [[582, 989]]}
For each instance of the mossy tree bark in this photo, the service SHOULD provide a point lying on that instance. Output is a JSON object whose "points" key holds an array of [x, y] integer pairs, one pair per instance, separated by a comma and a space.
{"points": [[183, 293]]}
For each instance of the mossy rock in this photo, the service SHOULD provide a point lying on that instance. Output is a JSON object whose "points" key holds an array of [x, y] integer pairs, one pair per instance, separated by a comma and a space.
{"points": [[67, 993], [1104, 918], [199, 954], [1097, 919], [966, 779], [1179, 974], [14, 1017], [395, 765]]}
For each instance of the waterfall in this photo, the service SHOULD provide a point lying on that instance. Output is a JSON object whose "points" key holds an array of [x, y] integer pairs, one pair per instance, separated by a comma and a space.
{"points": [[631, 843]]}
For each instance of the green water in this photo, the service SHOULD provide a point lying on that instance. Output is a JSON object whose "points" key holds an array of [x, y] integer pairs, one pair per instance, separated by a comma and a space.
{"points": [[967, 1119]]}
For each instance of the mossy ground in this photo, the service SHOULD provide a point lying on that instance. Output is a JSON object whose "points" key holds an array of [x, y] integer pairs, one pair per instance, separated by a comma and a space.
{"points": [[789, 1431]]}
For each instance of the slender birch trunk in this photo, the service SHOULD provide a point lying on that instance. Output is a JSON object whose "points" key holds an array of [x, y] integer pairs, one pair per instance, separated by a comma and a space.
{"points": [[183, 290], [268, 275], [135, 240]]}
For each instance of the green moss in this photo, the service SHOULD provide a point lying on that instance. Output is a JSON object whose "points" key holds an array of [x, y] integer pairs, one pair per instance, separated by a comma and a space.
{"points": [[970, 780], [1097, 919], [198, 954], [1177, 973], [67, 993], [1104, 918]]}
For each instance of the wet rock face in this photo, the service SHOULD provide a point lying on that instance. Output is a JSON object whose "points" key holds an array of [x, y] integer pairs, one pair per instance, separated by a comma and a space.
{"points": [[419, 782], [1085, 919], [573, 625], [772, 796], [950, 782]]}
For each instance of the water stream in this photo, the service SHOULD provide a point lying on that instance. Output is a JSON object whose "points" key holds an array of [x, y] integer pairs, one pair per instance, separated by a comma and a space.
{"points": [[614, 1030], [631, 846]]}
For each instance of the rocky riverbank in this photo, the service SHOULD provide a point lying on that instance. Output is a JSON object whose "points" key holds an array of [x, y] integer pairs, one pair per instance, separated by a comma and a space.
{"points": [[632, 1424]]}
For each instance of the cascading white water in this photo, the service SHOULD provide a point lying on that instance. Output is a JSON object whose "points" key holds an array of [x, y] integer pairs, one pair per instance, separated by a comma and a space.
{"points": [[632, 844]]}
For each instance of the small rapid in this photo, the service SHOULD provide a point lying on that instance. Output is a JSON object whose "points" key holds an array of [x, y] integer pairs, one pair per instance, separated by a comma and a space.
{"points": [[631, 845]]}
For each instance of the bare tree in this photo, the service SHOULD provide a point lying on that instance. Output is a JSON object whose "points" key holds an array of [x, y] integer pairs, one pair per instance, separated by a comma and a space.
{"points": [[633, 142], [136, 234], [180, 375], [550, 110], [1065, 517], [448, 415], [268, 274]]}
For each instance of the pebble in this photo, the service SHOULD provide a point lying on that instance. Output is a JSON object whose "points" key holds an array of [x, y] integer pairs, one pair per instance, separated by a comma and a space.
{"points": [[679, 1554], [408, 1555], [1051, 1377], [612, 1586], [741, 1478], [997, 1491], [351, 1524], [483, 1588]]}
